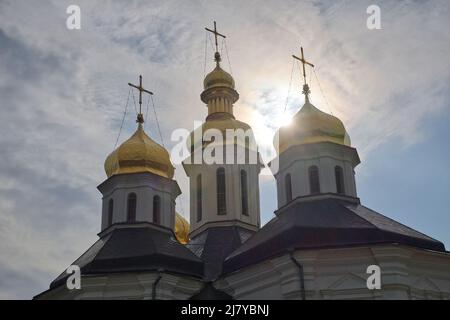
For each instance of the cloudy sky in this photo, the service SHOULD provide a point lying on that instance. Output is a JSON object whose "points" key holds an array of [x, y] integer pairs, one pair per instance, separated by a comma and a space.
{"points": [[63, 92]]}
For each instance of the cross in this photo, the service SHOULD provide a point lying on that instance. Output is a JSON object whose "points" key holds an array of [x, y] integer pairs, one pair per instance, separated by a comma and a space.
{"points": [[302, 59], [215, 35], [140, 118]]}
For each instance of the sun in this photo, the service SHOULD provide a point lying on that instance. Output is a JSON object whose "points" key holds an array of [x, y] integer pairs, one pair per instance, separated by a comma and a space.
{"points": [[284, 120]]}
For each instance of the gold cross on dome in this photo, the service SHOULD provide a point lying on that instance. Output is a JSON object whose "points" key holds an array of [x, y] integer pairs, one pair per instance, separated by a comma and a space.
{"points": [[215, 38], [303, 60], [140, 117]]}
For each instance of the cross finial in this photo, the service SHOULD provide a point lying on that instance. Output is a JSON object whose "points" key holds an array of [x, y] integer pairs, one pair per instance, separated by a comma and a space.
{"points": [[217, 54], [140, 117], [306, 90]]}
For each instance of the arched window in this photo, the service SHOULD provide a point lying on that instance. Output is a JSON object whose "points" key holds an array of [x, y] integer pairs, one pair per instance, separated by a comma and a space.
{"points": [[288, 187], [244, 193], [156, 209], [339, 174], [235, 151], [110, 211], [131, 207], [314, 183], [199, 198], [221, 192], [247, 150]]}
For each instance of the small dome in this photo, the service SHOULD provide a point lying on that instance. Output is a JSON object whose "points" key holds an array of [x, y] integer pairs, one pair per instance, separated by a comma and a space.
{"points": [[139, 154], [181, 229], [310, 125], [218, 78]]}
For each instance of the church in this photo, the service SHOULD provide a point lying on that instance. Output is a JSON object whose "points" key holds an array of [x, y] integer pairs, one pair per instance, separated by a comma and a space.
{"points": [[319, 244]]}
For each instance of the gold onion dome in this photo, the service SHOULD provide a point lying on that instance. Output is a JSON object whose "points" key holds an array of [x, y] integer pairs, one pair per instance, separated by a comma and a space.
{"points": [[139, 154], [310, 125], [221, 121], [218, 78], [181, 229]]}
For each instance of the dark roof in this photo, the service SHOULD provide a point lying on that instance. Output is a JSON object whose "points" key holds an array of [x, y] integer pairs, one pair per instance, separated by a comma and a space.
{"points": [[142, 247], [208, 292], [324, 223], [214, 244]]}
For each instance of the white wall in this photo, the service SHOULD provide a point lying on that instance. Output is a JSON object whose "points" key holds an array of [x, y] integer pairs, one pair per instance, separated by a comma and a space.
{"points": [[233, 194], [129, 286], [146, 186], [406, 273], [326, 156]]}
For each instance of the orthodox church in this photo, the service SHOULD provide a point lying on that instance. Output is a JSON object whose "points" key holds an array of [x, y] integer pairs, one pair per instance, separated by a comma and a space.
{"points": [[319, 244]]}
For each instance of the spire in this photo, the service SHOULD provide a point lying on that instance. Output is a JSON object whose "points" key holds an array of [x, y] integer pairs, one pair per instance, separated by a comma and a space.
{"points": [[140, 117], [219, 94], [217, 57], [306, 90]]}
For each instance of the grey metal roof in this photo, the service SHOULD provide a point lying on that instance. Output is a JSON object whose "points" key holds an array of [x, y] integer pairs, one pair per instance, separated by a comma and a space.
{"points": [[312, 224], [138, 248], [324, 223], [214, 244]]}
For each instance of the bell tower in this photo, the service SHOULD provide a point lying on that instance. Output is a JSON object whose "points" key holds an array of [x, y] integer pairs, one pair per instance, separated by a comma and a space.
{"points": [[224, 164], [140, 185]]}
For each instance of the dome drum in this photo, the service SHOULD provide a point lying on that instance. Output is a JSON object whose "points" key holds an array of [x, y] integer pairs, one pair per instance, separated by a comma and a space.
{"points": [[219, 92]]}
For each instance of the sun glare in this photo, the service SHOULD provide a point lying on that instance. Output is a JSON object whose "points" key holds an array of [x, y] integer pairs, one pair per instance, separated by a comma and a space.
{"points": [[284, 120]]}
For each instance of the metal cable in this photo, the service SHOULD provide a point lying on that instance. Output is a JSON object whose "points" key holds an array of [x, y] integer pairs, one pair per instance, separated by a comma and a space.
{"points": [[146, 111], [157, 122], [135, 107], [228, 57], [321, 91], [212, 42], [163, 144], [123, 118], [206, 53], [290, 84]]}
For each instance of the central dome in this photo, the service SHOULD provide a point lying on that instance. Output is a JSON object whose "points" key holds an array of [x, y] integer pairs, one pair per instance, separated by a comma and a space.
{"points": [[139, 154], [220, 121], [310, 125], [218, 78]]}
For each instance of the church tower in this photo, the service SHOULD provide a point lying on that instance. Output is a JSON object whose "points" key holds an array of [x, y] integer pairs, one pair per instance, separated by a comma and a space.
{"points": [[224, 165], [140, 185], [141, 251], [315, 157]]}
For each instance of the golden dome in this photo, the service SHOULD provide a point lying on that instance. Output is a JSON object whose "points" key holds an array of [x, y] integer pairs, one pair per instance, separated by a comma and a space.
{"points": [[220, 121], [181, 229], [310, 125], [139, 154], [218, 78]]}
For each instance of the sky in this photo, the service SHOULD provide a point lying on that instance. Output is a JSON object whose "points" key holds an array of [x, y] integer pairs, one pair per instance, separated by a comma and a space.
{"points": [[63, 94]]}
